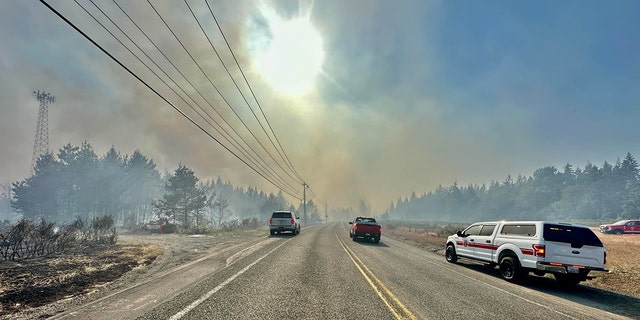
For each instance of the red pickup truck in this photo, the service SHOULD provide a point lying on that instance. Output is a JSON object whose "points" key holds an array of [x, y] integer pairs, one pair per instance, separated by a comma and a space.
{"points": [[366, 228]]}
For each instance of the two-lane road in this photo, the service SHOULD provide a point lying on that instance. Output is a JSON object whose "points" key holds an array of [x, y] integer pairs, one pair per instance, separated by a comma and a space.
{"points": [[322, 274]]}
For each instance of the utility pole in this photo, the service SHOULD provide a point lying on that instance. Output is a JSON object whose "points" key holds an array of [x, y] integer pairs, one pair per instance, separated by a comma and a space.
{"points": [[304, 197], [41, 143], [326, 213]]}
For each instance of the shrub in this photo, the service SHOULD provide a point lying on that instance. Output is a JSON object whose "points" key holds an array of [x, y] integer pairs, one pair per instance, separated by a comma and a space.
{"points": [[27, 239]]}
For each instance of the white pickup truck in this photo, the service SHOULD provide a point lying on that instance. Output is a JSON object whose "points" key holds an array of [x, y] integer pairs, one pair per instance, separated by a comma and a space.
{"points": [[567, 251]]}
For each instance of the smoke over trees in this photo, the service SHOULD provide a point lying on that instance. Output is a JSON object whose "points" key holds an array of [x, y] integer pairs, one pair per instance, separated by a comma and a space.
{"points": [[77, 183], [607, 192]]}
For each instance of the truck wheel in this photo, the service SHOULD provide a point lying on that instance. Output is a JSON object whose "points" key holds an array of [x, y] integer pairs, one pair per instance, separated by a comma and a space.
{"points": [[618, 231], [350, 235], [272, 232], [567, 280], [510, 269], [376, 240], [354, 238], [450, 254]]}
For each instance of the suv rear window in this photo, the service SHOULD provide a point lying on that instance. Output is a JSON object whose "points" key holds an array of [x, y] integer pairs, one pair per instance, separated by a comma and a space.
{"points": [[571, 234], [281, 215]]}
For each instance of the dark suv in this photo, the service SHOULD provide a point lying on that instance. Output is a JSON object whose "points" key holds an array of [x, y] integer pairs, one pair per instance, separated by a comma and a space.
{"points": [[284, 221]]}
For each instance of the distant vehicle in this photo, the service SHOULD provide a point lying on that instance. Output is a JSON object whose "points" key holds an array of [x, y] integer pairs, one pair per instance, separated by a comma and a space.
{"points": [[621, 227], [366, 228], [567, 251], [153, 225], [281, 221]]}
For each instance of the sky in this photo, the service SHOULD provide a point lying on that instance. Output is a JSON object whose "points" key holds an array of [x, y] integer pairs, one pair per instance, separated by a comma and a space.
{"points": [[369, 100]]}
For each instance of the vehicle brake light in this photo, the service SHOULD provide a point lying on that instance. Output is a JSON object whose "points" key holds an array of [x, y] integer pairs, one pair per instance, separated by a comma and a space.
{"points": [[538, 250], [292, 221], [270, 220]]}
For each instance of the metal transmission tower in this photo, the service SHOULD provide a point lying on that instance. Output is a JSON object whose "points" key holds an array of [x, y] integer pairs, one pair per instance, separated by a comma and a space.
{"points": [[41, 144]]}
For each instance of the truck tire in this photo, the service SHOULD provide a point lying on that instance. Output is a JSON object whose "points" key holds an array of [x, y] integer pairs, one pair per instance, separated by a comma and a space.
{"points": [[450, 254], [510, 269], [272, 232], [618, 232], [376, 240]]}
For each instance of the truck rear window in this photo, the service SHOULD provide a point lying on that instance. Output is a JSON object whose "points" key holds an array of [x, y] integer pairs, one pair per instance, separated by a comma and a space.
{"points": [[527, 230], [281, 215], [571, 234]]}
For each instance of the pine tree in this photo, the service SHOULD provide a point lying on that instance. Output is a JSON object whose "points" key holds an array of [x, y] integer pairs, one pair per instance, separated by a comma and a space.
{"points": [[183, 199]]}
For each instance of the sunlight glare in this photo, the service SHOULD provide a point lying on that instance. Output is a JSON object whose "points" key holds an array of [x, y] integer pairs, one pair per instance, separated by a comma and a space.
{"points": [[293, 56]]}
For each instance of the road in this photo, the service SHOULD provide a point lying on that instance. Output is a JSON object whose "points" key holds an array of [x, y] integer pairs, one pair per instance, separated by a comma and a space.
{"points": [[322, 274]]}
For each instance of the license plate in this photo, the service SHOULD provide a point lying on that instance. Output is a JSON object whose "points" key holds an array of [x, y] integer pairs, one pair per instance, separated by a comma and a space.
{"points": [[573, 270]]}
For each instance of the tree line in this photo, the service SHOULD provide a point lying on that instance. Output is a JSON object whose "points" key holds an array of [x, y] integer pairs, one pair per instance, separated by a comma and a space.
{"points": [[77, 183], [608, 192]]}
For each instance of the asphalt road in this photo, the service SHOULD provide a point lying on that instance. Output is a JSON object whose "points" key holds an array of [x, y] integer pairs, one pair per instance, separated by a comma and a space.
{"points": [[322, 274]]}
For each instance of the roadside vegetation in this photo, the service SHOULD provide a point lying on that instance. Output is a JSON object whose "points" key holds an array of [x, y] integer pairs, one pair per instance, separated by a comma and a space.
{"points": [[28, 239]]}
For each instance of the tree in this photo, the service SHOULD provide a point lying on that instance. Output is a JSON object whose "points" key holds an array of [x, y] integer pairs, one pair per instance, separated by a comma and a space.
{"points": [[631, 205], [183, 199], [37, 196], [142, 186], [220, 209]]}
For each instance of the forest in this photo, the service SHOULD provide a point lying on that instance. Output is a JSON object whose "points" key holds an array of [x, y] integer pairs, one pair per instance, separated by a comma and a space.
{"points": [[592, 193], [77, 183]]}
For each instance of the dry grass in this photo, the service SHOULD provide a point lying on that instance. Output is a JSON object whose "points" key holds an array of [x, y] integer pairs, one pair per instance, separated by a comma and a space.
{"points": [[623, 258], [623, 261]]}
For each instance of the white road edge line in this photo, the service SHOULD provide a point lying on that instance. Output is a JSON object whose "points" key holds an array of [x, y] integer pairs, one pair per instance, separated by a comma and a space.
{"points": [[194, 304]]}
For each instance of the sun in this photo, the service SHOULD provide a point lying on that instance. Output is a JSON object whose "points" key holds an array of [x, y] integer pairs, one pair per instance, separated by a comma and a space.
{"points": [[289, 54]]}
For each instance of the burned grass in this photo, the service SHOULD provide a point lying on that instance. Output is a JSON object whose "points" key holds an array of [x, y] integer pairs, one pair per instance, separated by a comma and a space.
{"points": [[37, 282]]}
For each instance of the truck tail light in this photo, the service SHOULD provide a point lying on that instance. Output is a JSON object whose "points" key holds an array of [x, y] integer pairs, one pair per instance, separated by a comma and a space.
{"points": [[538, 250], [293, 221], [270, 220]]}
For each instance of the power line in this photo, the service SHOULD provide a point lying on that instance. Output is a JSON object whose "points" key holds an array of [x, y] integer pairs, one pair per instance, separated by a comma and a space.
{"points": [[209, 79], [242, 94], [44, 2], [228, 136], [252, 92]]}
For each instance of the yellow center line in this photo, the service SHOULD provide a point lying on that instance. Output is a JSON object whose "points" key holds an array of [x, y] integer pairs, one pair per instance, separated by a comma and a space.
{"points": [[381, 290]]}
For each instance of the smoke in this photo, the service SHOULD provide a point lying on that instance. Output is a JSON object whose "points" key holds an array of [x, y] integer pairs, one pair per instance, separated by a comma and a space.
{"points": [[398, 108]]}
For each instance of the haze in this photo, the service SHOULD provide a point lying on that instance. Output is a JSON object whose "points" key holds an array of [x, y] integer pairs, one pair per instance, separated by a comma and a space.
{"points": [[410, 94]]}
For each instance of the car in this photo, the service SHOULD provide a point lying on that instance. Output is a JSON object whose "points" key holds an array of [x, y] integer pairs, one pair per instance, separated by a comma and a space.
{"points": [[282, 221], [365, 228], [568, 251], [621, 227]]}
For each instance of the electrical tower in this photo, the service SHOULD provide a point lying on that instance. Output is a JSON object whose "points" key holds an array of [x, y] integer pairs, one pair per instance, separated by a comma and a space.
{"points": [[41, 144]]}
